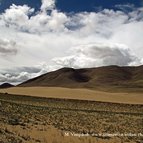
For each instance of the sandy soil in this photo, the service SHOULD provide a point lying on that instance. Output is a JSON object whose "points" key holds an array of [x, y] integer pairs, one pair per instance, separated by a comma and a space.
{"points": [[83, 94], [25, 119], [47, 134]]}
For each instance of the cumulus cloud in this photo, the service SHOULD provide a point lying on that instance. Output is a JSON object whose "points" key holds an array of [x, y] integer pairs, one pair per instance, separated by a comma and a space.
{"points": [[23, 76], [16, 16], [101, 24], [85, 39], [20, 74], [7, 47], [21, 18], [47, 5], [98, 54], [43, 23]]}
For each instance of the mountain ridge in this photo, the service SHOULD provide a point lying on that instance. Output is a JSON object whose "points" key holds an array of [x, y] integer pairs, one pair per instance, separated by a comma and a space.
{"points": [[127, 77]]}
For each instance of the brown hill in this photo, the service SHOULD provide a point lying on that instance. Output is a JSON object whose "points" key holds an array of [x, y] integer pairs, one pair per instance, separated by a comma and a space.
{"points": [[110, 76], [6, 85]]}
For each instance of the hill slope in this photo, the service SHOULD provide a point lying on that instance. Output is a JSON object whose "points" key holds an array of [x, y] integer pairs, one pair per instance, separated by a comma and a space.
{"points": [[6, 85], [110, 76]]}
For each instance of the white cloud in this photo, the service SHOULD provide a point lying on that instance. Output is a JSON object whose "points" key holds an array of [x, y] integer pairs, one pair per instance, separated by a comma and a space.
{"points": [[43, 23], [47, 5], [100, 24], [81, 56], [16, 16], [125, 7], [98, 54], [83, 39], [20, 18], [21, 74], [7, 47]]}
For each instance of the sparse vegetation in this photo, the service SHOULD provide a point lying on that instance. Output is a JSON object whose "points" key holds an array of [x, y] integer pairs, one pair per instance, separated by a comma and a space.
{"points": [[26, 119]]}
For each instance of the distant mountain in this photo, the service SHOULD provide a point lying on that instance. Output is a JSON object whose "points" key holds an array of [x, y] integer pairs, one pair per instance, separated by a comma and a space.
{"points": [[109, 76], [6, 85]]}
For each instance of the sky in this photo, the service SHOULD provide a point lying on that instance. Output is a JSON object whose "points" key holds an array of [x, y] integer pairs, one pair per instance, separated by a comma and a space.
{"points": [[38, 36]]}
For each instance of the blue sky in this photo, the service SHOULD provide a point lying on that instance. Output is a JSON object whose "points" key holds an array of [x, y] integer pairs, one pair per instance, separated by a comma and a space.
{"points": [[92, 5], [37, 36], [6, 3], [74, 5]]}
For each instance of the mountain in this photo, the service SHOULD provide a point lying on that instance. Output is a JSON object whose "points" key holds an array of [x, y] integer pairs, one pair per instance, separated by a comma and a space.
{"points": [[109, 76], [6, 85]]}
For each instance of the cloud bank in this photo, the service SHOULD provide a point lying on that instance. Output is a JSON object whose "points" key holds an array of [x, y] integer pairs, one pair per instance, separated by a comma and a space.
{"points": [[95, 55], [7, 47], [30, 38]]}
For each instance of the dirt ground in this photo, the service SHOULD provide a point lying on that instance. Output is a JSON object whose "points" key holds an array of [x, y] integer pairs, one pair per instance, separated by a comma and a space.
{"points": [[25, 119], [83, 94]]}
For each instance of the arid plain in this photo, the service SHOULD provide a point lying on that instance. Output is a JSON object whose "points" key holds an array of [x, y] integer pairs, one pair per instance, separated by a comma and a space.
{"points": [[81, 94], [100, 105]]}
